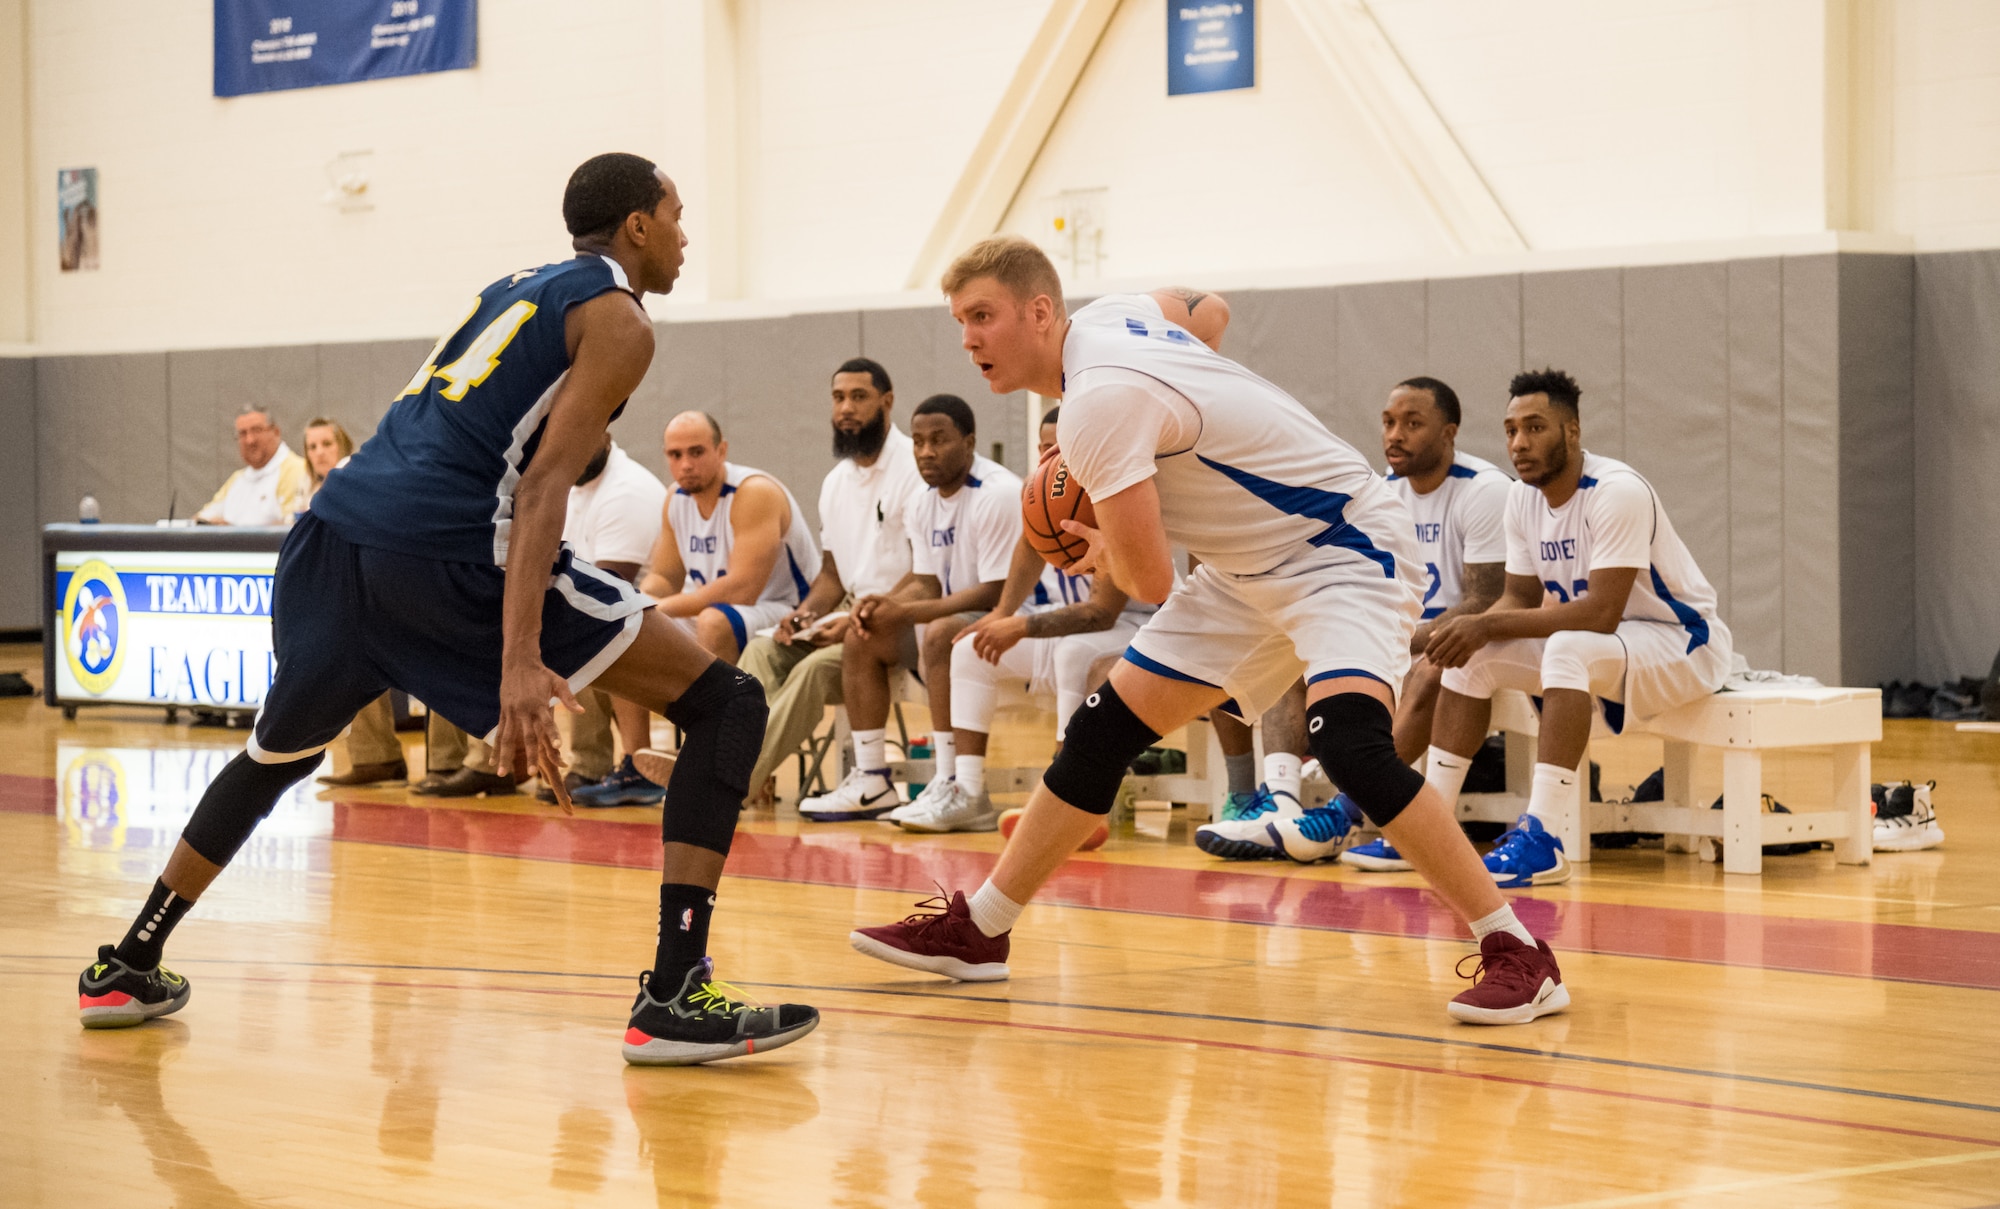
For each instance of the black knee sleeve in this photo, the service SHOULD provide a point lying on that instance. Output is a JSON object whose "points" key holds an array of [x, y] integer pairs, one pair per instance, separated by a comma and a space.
{"points": [[240, 797], [1353, 737], [721, 717], [1100, 743]]}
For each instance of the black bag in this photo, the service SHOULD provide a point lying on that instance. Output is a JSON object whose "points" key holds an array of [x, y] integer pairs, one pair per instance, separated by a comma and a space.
{"points": [[14, 684]]}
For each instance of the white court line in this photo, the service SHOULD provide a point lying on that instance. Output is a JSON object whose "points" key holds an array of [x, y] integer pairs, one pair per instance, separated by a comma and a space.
{"points": [[1774, 1181]]}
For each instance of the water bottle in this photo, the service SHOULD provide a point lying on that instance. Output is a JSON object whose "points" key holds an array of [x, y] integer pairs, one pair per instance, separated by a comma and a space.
{"points": [[86, 510], [920, 749]]}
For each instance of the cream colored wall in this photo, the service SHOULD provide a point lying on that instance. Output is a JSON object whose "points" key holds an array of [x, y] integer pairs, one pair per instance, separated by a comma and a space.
{"points": [[816, 143], [14, 189]]}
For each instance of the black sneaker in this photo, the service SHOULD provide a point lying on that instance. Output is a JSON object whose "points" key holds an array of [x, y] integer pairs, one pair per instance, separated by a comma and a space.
{"points": [[701, 1023], [111, 994]]}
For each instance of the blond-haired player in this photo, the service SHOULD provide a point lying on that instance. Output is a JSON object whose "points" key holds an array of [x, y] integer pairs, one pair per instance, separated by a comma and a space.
{"points": [[1307, 565]]}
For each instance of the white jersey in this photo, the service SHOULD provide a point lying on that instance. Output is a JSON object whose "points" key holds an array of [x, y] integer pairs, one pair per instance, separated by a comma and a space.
{"points": [[1247, 476], [706, 541], [1462, 521], [1056, 590], [615, 517], [968, 537], [1614, 520]]}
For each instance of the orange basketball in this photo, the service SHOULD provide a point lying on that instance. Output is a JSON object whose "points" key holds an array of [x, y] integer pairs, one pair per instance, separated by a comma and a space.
{"points": [[1048, 498]]}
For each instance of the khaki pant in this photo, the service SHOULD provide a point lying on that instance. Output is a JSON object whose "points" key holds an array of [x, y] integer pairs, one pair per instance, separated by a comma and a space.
{"points": [[799, 683], [371, 739], [590, 741]]}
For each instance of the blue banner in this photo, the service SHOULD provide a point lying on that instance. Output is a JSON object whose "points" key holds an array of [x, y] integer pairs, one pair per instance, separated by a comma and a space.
{"points": [[1211, 47], [268, 45]]}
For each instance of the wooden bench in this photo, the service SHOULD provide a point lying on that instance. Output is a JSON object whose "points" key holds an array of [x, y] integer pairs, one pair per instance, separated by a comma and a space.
{"points": [[1744, 725]]}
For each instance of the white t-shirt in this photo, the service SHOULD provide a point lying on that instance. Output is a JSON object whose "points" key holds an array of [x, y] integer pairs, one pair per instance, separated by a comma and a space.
{"points": [[968, 537], [615, 517], [1247, 476], [1462, 521], [1613, 520], [864, 516]]}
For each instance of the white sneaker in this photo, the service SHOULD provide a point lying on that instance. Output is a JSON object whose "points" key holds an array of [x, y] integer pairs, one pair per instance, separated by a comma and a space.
{"points": [[956, 810], [863, 795], [1911, 830], [932, 796], [1317, 835]]}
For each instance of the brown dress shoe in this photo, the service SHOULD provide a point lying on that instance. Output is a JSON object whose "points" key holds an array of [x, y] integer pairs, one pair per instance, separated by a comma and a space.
{"points": [[432, 780], [369, 774], [470, 782]]}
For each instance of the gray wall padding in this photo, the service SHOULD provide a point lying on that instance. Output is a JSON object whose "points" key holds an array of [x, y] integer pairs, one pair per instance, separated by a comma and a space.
{"points": [[1956, 345], [1782, 408], [1878, 522], [20, 543]]}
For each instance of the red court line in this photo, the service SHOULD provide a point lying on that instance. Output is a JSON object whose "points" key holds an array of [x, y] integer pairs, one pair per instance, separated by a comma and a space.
{"points": [[1236, 1046], [844, 856], [27, 795]]}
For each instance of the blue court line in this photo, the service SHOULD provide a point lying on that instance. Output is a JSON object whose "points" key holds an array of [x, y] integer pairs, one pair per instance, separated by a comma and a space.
{"points": [[1253, 1021]]}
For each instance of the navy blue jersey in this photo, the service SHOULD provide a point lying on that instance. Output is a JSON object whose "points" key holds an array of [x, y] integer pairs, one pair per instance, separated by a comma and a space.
{"points": [[437, 478]]}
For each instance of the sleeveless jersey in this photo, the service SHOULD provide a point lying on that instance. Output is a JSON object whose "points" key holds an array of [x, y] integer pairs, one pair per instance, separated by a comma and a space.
{"points": [[1462, 521], [706, 542], [437, 478], [1613, 520], [1261, 481], [968, 537]]}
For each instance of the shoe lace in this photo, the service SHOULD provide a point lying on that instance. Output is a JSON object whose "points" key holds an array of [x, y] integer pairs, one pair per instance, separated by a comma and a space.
{"points": [[721, 998], [1514, 845], [1260, 803], [1509, 966], [1323, 823], [930, 910]]}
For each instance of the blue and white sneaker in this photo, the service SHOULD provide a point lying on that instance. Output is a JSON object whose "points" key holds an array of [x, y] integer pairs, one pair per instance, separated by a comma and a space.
{"points": [[1319, 834], [1528, 855], [624, 785], [1376, 856], [1247, 837], [1245, 805]]}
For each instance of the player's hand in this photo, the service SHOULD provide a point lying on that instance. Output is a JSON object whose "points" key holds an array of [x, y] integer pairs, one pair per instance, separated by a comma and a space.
{"points": [[882, 613], [1096, 558], [832, 634], [993, 635], [1456, 639], [793, 624], [526, 741], [1420, 638]]}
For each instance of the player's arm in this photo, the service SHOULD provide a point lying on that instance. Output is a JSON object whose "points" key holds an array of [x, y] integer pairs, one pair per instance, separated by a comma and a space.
{"points": [[1129, 545], [1481, 584], [1000, 629], [611, 346], [756, 533], [665, 572], [1205, 315], [1098, 613], [1599, 610]]}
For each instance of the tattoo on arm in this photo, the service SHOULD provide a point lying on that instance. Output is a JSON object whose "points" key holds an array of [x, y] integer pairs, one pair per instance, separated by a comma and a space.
{"points": [[1191, 297], [1085, 618]]}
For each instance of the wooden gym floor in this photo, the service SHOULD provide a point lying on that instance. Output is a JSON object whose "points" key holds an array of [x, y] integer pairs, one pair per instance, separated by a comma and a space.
{"points": [[408, 1003]]}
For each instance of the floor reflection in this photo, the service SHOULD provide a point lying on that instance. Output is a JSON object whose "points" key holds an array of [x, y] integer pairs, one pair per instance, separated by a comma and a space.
{"points": [[687, 1118], [122, 1067]]}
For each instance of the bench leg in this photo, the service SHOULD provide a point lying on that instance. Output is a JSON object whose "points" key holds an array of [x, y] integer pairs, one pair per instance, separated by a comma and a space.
{"points": [[1520, 764], [1204, 760], [1679, 789], [1851, 774], [1742, 812]]}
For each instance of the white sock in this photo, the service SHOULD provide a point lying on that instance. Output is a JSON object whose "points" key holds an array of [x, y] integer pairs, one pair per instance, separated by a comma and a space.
{"points": [[1552, 785], [1284, 772], [1502, 921], [992, 911], [971, 772], [1447, 775], [869, 753], [944, 747]]}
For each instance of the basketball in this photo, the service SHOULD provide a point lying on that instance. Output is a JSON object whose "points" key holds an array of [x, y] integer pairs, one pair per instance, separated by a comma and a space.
{"points": [[1048, 498]]}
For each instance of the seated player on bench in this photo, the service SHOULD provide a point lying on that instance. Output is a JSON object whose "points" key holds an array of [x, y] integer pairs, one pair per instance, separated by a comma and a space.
{"points": [[1605, 615]]}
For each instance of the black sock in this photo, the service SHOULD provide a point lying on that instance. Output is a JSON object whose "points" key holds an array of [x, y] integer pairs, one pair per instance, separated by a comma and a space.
{"points": [[142, 945], [684, 915]]}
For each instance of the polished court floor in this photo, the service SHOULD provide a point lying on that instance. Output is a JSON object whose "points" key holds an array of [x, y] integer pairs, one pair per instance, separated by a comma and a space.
{"points": [[408, 1003]]}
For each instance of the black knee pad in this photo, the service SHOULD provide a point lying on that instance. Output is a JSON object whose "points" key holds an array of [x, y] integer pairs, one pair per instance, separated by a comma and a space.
{"points": [[240, 797], [1100, 743], [1353, 737], [721, 717]]}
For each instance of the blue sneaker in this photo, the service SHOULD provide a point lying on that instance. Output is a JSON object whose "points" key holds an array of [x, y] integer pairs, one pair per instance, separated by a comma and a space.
{"points": [[1319, 834], [1528, 856], [1242, 836], [622, 786], [1376, 856]]}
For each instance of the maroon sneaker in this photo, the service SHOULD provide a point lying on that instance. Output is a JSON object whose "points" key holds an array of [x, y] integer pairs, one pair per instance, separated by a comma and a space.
{"points": [[1512, 984], [940, 940]]}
